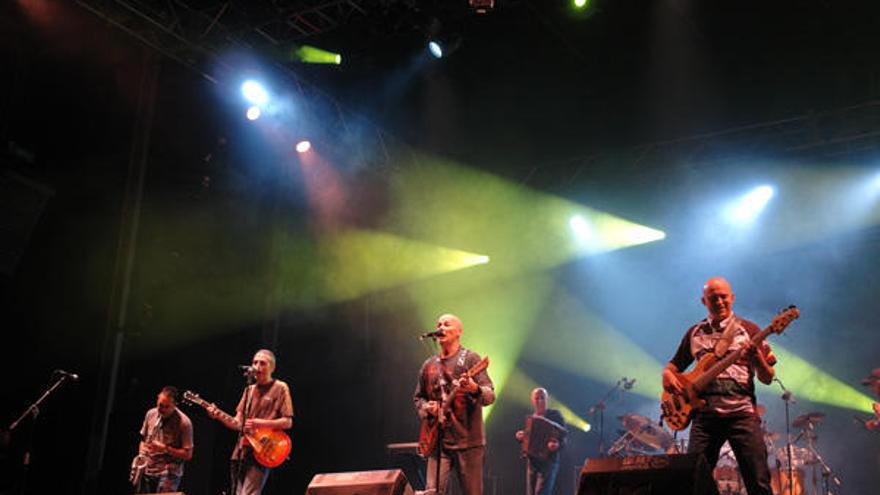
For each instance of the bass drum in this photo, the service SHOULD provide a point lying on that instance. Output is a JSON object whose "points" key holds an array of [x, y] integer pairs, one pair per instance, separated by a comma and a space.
{"points": [[779, 482], [729, 481]]}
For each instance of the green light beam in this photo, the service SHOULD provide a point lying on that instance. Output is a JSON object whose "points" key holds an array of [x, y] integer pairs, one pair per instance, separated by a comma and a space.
{"points": [[813, 384]]}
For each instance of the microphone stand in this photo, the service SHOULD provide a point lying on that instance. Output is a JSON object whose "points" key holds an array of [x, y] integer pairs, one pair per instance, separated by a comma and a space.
{"points": [[33, 410], [788, 399], [436, 351], [239, 468], [600, 406]]}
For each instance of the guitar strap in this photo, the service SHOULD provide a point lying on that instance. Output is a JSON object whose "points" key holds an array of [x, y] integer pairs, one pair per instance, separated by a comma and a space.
{"points": [[727, 336], [457, 369]]}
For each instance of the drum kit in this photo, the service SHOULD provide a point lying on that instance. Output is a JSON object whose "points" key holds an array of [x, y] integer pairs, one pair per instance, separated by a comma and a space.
{"points": [[641, 435]]}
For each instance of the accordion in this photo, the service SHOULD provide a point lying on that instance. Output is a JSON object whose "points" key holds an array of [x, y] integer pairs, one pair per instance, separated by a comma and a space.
{"points": [[539, 431]]}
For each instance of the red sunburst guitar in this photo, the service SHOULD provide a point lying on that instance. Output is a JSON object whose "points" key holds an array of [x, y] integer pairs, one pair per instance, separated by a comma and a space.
{"points": [[271, 447], [678, 407], [430, 432]]}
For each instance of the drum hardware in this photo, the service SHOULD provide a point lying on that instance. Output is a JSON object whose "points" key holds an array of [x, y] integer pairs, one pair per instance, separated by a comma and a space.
{"points": [[641, 435], [615, 394]]}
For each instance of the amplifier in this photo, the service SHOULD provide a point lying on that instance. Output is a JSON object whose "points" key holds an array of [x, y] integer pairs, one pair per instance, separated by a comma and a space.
{"points": [[678, 474], [385, 482]]}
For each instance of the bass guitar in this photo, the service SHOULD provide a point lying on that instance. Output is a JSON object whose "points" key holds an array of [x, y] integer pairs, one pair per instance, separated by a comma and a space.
{"points": [[270, 447], [677, 408], [430, 431]]}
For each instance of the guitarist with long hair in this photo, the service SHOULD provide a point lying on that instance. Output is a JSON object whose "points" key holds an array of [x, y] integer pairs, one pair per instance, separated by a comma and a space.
{"points": [[450, 403], [265, 404], [729, 413]]}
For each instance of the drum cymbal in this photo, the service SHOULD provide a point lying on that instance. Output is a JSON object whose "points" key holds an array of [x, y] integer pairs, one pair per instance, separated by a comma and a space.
{"points": [[804, 420], [646, 431]]}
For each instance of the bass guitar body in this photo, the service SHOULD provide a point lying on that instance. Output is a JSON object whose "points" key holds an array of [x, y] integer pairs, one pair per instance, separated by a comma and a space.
{"points": [[678, 407]]}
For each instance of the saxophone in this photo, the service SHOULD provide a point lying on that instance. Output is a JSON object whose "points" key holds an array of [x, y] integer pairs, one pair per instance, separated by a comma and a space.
{"points": [[140, 461], [138, 465]]}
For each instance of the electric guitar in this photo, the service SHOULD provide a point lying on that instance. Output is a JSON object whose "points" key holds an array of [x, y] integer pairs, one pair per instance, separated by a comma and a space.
{"points": [[678, 407], [270, 447], [430, 431]]}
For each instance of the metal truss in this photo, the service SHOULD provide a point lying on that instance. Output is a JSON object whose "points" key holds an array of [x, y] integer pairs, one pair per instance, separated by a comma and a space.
{"points": [[194, 32], [849, 132]]}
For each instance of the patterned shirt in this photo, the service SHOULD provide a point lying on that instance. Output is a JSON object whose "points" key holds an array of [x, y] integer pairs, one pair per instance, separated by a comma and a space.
{"points": [[175, 431], [733, 391], [465, 426]]}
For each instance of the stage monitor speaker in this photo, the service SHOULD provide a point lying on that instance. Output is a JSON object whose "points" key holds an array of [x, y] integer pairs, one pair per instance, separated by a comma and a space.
{"points": [[385, 482], [679, 474]]}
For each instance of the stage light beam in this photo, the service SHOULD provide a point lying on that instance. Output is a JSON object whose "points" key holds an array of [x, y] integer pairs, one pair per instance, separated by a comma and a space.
{"points": [[811, 383], [519, 390], [313, 55], [746, 209]]}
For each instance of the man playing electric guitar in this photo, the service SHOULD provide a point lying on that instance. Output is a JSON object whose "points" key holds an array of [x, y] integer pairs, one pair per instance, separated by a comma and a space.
{"points": [[729, 413], [463, 440], [265, 404]]}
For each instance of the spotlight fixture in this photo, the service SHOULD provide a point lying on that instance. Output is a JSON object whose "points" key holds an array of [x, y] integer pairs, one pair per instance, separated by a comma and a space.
{"points": [[253, 113], [482, 6], [254, 92], [303, 146], [436, 48], [441, 42]]}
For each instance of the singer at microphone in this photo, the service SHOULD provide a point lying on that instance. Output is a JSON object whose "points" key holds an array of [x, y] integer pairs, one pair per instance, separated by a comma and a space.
{"points": [[431, 335]]}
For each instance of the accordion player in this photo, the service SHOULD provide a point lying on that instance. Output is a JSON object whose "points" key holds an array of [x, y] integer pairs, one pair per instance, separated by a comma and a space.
{"points": [[539, 432]]}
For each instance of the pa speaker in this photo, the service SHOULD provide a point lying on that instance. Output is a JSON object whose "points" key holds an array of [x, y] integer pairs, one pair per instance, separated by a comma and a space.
{"points": [[386, 482], [679, 474]]}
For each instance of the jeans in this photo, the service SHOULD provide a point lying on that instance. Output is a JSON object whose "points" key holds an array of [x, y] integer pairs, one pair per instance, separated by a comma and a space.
{"points": [[159, 484], [249, 477], [468, 463], [746, 437], [541, 476]]}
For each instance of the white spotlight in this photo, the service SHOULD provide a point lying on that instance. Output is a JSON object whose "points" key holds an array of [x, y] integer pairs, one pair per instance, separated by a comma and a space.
{"points": [[253, 113], [582, 229], [303, 146], [747, 208], [435, 48], [254, 92]]}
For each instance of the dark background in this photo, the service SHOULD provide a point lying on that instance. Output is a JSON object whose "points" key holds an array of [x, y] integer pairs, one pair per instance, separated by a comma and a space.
{"points": [[532, 94]]}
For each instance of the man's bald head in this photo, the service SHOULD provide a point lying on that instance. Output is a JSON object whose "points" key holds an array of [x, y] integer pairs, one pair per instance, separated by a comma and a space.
{"points": [[718, 298], [451, 327]]}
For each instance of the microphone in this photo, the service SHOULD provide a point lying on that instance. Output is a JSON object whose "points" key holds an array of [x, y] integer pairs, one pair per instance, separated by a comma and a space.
{"points": [[66, 374], [431, 335], [246, 369]]}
